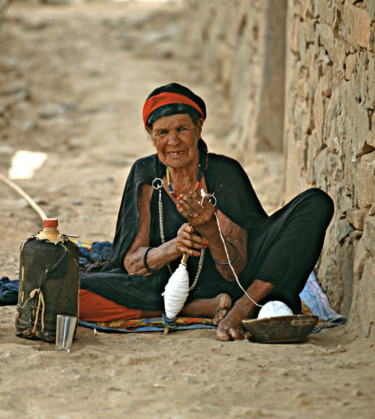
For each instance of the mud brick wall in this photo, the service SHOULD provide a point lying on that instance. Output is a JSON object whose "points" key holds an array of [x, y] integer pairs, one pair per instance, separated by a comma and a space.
{"points": [[321, 54], [238, 45]]}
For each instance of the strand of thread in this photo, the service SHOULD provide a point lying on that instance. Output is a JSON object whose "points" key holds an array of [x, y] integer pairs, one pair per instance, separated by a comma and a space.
{"points": [[228, 258]]}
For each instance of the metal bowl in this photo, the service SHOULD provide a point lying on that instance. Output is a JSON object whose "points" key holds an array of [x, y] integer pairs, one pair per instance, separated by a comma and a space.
{"points": [[282, 329]]}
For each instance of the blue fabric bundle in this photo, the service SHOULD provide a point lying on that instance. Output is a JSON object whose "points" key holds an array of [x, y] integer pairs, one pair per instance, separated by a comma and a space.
{"points": [[8, 291], [98, 251]]}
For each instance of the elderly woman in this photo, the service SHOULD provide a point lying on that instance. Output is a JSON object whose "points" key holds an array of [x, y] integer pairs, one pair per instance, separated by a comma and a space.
{"points": [[163, 216]]}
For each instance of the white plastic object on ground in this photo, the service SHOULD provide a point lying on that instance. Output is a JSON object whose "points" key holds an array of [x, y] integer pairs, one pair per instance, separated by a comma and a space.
{"points": [[274, 309]]}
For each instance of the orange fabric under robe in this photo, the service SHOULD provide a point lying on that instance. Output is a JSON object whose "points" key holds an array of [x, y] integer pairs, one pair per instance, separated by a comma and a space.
{"points": [[93, 307]]}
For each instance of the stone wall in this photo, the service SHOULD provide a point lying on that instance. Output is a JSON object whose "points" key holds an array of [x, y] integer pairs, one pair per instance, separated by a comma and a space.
{"points": [[3, 5], [326, 116], [330, 138]]}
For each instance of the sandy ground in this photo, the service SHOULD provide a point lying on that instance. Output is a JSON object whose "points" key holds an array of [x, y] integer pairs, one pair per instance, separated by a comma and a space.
{"points": [[72, 84]]}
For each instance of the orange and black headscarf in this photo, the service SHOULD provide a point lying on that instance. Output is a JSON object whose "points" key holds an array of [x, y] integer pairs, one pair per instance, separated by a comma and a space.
{"points": [[170, 100]]}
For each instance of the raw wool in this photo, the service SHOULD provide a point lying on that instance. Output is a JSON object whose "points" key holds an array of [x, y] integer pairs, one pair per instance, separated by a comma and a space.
{"points": [[176, 291], [274, 309]]}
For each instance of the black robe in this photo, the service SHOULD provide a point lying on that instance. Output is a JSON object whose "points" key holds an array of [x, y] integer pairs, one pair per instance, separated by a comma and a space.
{"points": [[277, 252]]}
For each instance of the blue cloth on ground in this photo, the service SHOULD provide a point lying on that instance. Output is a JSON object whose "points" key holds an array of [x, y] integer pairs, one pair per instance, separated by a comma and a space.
{"points": [[8, 291], [315, 298], [99, 251]]}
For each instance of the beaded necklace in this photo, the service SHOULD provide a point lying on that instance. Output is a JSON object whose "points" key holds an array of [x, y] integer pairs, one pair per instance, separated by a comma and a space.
{"points": [[169, 182]]}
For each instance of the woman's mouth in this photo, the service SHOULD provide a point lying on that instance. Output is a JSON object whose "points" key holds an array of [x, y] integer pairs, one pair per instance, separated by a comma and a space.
{"points": [[176, 153]]}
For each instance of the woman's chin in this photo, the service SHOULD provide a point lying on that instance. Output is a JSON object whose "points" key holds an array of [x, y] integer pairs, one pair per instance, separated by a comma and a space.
{"points": [[175, 162]]}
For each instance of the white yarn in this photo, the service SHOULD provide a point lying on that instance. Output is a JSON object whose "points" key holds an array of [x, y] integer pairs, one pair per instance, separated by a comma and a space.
{"points": [[176, 291], [274, 309]]}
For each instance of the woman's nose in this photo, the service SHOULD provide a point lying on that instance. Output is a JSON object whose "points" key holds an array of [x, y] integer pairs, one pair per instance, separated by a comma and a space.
{"points": [[173, 137]]}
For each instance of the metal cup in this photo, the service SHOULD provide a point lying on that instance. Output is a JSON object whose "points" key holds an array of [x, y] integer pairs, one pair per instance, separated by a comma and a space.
{"points": [[65, 328]]}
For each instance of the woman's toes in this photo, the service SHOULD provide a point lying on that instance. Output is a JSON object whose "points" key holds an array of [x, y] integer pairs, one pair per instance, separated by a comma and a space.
{"points": [[236, 334], [222, 334], [223, 304]]}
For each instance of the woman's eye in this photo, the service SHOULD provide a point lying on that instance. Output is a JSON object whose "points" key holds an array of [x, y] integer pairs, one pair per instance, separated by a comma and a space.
{"points": [[160, 133]]}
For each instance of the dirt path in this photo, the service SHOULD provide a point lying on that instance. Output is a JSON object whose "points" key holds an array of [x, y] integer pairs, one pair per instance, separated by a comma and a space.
{"points": [[72, 84]]}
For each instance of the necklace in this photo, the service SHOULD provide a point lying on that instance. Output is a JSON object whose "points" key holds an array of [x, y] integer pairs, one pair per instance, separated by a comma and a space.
{"points": [[169, 181], [157, 184]]}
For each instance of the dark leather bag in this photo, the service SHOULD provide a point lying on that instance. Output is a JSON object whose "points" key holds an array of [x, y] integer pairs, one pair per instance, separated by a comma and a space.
{"points": [[49, 285]]}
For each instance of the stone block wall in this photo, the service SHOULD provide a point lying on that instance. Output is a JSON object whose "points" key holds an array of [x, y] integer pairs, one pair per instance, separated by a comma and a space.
{"points": [[3, 5], [329, 139], [319, 53]]}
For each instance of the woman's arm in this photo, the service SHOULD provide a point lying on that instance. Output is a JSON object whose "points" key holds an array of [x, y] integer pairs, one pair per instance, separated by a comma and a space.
{"points": [[157, 257], [235, 238]]}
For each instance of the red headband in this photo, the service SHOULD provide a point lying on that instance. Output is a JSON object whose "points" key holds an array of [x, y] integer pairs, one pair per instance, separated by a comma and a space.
{"points": [[166, 98]]}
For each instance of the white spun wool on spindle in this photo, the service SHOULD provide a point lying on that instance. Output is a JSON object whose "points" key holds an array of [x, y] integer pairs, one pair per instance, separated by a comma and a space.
{"points": [[274, 309], [176, 291]]}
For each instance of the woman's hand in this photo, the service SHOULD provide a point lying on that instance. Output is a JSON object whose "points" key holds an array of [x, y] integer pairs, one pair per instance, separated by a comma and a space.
{"points": [[189, 242], [199, 216]]}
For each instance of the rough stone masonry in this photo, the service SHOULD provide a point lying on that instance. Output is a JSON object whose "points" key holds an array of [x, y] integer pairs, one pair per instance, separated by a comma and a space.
{"points": [[300, 75]]}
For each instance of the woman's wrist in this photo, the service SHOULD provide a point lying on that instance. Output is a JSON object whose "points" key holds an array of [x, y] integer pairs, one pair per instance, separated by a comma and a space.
{"points": [[228, 262], [170, 250], [145, 264], [165, 253], [208, 230]]}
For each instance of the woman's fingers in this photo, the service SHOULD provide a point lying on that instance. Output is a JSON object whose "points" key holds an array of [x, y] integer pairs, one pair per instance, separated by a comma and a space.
{"points": [[191, 209], [192, 201], [186, 211], [193, 241], [188, 240], [186, 206], [188, 251], [190, 248]]}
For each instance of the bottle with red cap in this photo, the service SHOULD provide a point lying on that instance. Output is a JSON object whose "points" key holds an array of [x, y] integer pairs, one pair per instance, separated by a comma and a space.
{"points": [[50, 231], [49, 282]]}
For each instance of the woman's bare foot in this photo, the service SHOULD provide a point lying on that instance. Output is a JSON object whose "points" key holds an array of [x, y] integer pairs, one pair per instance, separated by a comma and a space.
{"points": [[223, 305], [230, 327], [215, 308]]}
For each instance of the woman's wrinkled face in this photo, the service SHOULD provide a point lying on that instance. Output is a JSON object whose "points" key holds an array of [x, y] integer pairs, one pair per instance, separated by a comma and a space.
{"points": [[176, 140]]}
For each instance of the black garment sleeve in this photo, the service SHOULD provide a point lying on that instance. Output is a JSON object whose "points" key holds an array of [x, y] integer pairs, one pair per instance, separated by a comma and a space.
{"points": [[143, 171]]}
